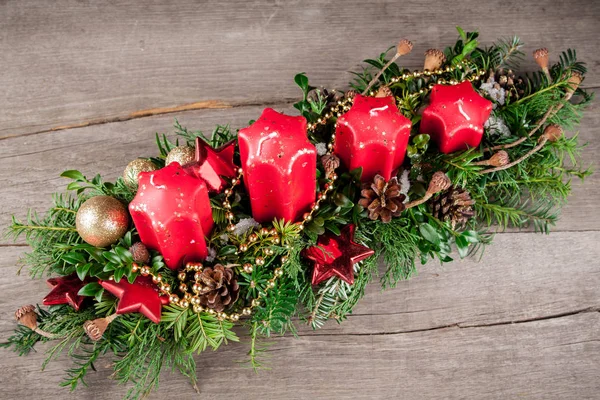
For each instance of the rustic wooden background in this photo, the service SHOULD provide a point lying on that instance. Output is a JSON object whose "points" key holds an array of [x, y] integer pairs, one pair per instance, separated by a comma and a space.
{"points": [[86, 84]]}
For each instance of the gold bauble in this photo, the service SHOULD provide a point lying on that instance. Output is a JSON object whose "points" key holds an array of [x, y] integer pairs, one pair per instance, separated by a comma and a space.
{"points": [[184, 155], [133, 169], [102, 220]]}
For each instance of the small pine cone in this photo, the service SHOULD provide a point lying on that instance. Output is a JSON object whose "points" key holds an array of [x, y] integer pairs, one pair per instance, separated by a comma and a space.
{"points": [[27, 316], [404, 47], [330, 162], [219, 288], [439, 181], [434, 59], [541, 58], [384, 91], [454, 205], [140, 253], [552, 133], [499, 159], [382, 199]]}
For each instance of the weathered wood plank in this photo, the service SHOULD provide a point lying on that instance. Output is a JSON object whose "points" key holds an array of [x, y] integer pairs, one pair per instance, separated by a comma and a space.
{"points": [[29, 166], [78, 62], [477, 330], [549, 359]]}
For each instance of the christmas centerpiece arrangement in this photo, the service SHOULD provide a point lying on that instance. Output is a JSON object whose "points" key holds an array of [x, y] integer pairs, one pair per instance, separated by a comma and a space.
{"points": [[287, 220]]}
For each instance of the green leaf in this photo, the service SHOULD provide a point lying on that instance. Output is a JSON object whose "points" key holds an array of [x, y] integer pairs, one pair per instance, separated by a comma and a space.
{"points": [[463, 246], [90, 289], [82, 270], [429, 233], [112, 257], [124, 254], [227, 250], [73, 186], [462, 33], [74, 257], [302, 80], [342, 201], [73, 174], [471, 236]]}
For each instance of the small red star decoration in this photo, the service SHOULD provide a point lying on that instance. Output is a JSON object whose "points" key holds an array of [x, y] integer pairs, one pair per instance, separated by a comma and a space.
{"points": [[140, 296], [211, 164], [336, 256], [455, 117], [64, 291]]}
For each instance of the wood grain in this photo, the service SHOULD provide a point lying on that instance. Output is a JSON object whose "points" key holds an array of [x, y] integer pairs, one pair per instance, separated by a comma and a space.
{"points": [[86, 84], [493, 329], [79, 62]]}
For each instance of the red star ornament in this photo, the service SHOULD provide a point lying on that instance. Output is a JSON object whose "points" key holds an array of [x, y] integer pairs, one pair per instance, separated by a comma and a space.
{"points": [[373, 135], [212, 164], [455, 117], [336, 256], [140, 296], [64, 291], [172, 214]]}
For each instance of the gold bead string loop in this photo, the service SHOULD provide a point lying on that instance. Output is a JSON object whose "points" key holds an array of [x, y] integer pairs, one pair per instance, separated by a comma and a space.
{"points": [[336, 110]]}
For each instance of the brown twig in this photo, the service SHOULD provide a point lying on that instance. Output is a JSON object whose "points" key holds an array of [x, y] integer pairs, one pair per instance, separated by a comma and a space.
{"points": [[538, 125], [540, 144], [404, 47]]}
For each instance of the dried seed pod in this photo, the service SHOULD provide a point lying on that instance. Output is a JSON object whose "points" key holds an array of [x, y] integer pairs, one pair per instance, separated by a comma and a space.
{"points": [[404, 47], [541, 58], [499, 159], [140, 253], [330, 162], [552, 133], [574, 82], [434, 59], [96, 328], [27, 316], [439, 181], [384, 91]]}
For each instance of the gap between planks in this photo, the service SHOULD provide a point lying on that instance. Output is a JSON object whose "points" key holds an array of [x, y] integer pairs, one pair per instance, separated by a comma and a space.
{"points": [[150, 112]]}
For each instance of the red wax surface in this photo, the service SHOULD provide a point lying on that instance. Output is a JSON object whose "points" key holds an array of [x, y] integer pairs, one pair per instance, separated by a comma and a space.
{"points": [[279, 166], [455, 116], [212, 164], [172, 214], [373, 134]]}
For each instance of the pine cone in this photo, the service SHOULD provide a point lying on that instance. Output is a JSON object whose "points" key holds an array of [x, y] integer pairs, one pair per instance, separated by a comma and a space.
{"points": [[382, 199], [454, 205], [219, 288], [140, 253]]}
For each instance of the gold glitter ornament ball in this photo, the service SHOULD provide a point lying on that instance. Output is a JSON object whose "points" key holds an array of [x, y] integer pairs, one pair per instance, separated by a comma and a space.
{"points": [[184, 155], [133, 169], [102, 220]]}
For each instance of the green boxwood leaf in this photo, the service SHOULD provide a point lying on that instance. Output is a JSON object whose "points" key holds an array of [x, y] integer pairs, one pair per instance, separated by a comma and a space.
{"points": [[429, 233], [73, 174], [91, 289]]}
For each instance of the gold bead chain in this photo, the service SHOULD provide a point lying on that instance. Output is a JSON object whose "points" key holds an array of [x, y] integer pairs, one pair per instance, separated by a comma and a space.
{"points": [[189, 300]]}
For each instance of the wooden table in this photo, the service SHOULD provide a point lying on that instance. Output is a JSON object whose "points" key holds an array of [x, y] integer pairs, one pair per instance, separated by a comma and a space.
{"points": [[85, 85]]}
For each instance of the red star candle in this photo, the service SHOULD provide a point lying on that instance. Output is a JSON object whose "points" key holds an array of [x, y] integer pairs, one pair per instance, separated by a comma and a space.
{"points": [[212, 164], [373, 135], [455, 117], [279, 165], [172, 214]]}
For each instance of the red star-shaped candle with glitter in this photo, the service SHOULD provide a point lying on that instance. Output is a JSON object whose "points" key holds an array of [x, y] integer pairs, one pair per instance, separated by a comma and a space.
{"points": [[336, 256], [64, 291], [140, 296], [455, 117], [212, 164], [279, 166], [373, 135], [172, 214]]}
